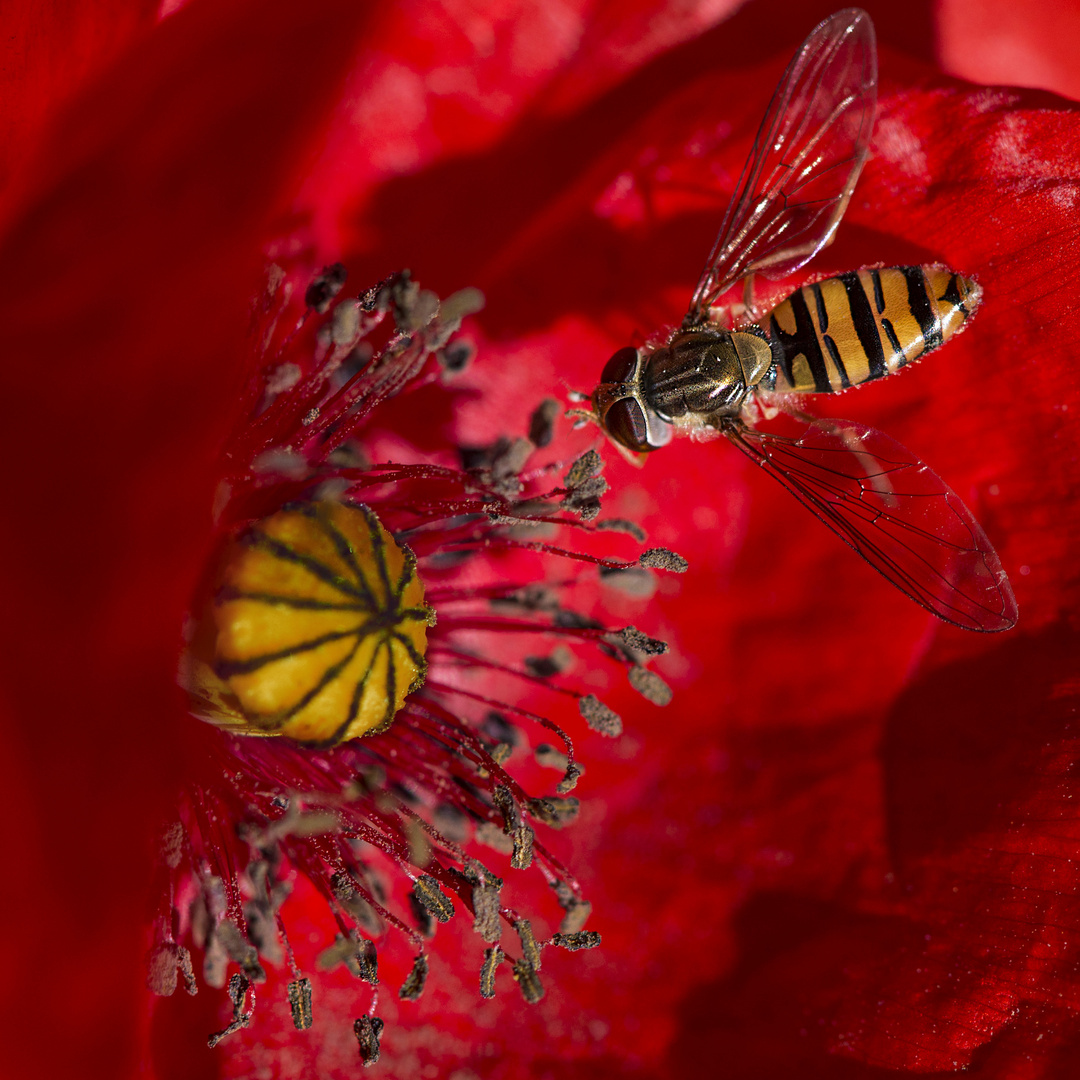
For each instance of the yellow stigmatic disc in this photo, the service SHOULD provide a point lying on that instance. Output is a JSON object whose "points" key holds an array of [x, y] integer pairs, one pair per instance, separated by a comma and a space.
{"points": [[319, 628]]}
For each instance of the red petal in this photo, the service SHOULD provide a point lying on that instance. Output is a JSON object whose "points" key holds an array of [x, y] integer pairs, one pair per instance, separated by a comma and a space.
{"points": [[998, 42], [48, 53], [766, 868], [124, 280]]}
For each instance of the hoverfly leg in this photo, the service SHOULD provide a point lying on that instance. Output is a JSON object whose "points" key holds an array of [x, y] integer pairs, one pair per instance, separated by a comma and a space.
{"points": [[632, 456], [767, 405], [724, 315], [748, 297], [754, 410]]}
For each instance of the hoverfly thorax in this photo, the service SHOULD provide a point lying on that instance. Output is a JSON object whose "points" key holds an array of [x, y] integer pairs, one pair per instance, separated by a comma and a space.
{"points": [[621, 405], [704, 373]]}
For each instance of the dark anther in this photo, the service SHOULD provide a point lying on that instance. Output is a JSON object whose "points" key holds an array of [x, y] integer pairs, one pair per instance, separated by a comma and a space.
{"points": [[413, 986], [542, 422], [661, 559], [300, 1003], [325, 287], [570, 778], [624, 526], [556, 812], [367, 962], [238, 988], [634, 639], [455, 358], [577, 910], [367, 1031], [498, 729], [599, 717], [486, 904], [240, 950], [522, 857], [427, 892], [456, 306], [493, 957], [585, 468], [532, 989], [582, 939], [507, 805], [530, 950], [650, 686], [421, 917], [183, 961], [560, 659]]}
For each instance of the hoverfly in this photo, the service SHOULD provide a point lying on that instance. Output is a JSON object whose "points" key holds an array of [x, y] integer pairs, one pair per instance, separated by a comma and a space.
{"points": [[825, 337]]}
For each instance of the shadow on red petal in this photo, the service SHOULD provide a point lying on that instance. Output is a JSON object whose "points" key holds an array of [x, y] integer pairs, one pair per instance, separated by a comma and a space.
{"points": [[771, 1019], [971, 744], [966, 959]]}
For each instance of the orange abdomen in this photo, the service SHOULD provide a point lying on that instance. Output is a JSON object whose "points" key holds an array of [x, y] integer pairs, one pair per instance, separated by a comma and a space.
{"points": [[863, 325]]}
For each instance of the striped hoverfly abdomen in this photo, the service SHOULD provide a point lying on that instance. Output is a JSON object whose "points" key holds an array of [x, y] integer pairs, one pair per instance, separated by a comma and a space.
{"points": [[864, 325], [876, 495]]}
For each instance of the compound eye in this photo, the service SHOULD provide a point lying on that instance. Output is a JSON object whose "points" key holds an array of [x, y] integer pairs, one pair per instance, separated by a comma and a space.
{"points": [[625, 423], [621, 366]]}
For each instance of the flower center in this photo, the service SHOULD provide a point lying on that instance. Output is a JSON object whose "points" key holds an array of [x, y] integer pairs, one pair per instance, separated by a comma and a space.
{"points": [[319, 626]]}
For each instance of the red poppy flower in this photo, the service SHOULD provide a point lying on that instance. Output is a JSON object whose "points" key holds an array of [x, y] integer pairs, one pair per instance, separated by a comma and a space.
{"points": [[851, 847]]}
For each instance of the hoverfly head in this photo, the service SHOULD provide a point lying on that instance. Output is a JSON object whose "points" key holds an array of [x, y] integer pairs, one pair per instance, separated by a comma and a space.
{"points": [[621, 407]]}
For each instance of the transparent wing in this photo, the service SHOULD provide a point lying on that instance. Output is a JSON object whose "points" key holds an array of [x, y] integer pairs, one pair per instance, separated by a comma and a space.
{"points": [[897, 514], [804, 163]]}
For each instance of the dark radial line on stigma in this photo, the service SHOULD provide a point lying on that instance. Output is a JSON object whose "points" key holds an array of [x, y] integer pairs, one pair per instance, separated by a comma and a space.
{"points": [[354, 708], [919, 302], [866, 327], [328, 677], [280, 550], [226, 669], [357, 698], [301, 603], [391, 680], [408, 572], [414, 654], [378, 546], [345, 549]]}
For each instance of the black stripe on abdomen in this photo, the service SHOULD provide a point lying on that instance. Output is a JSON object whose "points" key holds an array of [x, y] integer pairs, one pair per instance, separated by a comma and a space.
{"points": [[804, 342], [919, 302], [894, 341], [866, 326], [879, 295]]}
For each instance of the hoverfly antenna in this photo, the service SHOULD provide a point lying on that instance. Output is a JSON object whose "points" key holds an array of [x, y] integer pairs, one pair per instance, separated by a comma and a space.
{"points": [[581, 417]]}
